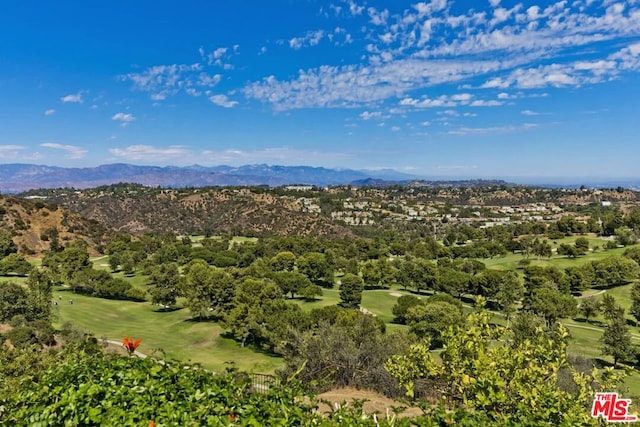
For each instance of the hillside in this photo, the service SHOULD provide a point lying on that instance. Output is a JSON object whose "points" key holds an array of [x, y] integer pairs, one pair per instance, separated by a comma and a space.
{"points": [[239, 211], [33, 225]]}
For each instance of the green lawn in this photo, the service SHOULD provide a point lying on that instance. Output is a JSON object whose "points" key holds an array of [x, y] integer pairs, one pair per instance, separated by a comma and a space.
{"points": [[171, 332]]}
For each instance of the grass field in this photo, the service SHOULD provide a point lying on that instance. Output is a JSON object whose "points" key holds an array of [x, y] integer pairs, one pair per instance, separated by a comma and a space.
{"points": [[171, 332]]}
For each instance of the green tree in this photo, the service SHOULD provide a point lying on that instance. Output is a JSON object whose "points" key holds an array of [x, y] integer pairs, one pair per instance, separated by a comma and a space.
{"points": [[616, 339], [72, 260], [7, 245], [404, 303], [310, 292], [291, 282], [526, 326], [40, 291], [244, 319], [582, 245], [483, 372], [209, 291], [114, 262], [351, 287], [315, 266], [283, 261], [541, 248], [453, 282], [614, 271], [610, 307], [551, 304], [635, 301], [488, 283], [165, 282], [13, 301], [16, 264], [568, 250], [510, 291], [590, 307], [579, 278], [432, 319], [625, 236]]}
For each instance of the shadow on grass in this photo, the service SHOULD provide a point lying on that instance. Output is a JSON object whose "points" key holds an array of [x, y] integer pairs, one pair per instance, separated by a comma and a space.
{"points": [[200, 319], [167, 309], [260, 349], [590, 322]]}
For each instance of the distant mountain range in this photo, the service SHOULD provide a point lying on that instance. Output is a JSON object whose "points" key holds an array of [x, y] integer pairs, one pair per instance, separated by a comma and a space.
{"points": [[17, 177]]}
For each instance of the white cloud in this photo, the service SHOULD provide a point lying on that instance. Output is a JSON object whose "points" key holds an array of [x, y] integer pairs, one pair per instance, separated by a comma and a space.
{"points": [[274, 155], [164, 80], [219, 52], [485, 103], [220, 56], [223, 101], [311, 38], [367, 115], [558, 45], [11, 151], [150, 153], [529, 113], [182, 155], [377, 17], [49, 112], [73, 151], [354, 8], [123, 118], [207, 80], [464, 131], [73, 98]]}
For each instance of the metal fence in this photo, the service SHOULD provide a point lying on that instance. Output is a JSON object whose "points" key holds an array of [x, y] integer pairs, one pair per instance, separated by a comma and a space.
{"points": [[260, 383]]}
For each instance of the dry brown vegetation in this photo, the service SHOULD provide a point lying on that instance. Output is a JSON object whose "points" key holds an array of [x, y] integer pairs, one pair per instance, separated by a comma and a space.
{"points": [[218, 211], [374, 402], [33, 225]]}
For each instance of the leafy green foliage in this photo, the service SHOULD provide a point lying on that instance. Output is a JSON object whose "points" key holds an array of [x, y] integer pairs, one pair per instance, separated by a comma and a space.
{"points": [[517, 381], [590, 307], [165, 282], [13, 301], [616, 338], [402, 305], [209, 291], [432, 319], [83, 389], [15, 264], [315, 266], [351, 287], [551, 304]]}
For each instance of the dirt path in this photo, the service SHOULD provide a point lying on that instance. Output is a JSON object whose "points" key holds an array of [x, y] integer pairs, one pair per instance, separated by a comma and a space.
{"points": [[119, 344], [375, 402], [592, 295]]}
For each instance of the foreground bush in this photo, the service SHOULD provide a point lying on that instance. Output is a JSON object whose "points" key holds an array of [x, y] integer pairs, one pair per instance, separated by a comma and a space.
{"points": [[82, 386]]}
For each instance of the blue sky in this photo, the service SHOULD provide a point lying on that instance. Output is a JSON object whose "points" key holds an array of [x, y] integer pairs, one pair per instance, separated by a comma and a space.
{"points": [[438, 88]]}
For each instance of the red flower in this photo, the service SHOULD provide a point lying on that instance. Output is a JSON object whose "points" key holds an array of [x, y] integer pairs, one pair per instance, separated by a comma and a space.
{"points": [[130, 345], [152, 423]]}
